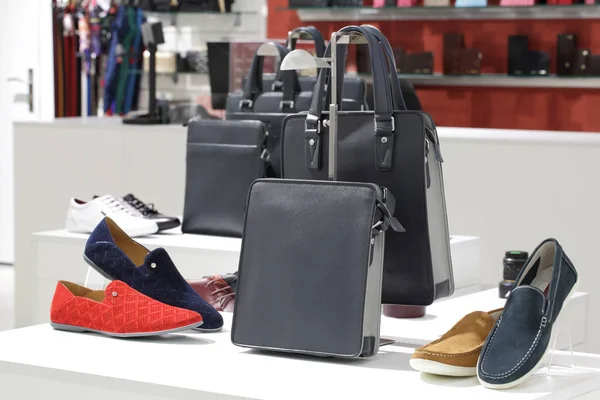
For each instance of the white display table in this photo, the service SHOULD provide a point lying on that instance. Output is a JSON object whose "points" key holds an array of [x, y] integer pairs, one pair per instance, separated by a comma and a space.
{"points": [[39, 362], [196, 256]]}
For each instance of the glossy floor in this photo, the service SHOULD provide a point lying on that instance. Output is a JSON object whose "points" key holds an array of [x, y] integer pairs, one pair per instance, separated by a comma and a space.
{"points": [[7, 289]]}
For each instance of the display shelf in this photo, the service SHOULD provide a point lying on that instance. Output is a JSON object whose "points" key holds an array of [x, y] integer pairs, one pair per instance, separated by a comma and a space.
{"points": [[193, 20], [198, 13], [40, 362], [308, 14], [500, 80]]}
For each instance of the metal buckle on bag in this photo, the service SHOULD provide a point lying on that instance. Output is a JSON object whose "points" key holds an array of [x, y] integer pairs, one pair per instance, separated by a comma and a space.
{"points": [[289, 103], [246, 102], [312, 119], [265, 155], [277, 85], [384, 145]]}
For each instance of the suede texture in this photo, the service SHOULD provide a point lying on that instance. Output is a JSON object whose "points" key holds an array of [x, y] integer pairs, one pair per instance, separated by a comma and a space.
{"points": [[461, 345], [521, 337], [155, 275]]}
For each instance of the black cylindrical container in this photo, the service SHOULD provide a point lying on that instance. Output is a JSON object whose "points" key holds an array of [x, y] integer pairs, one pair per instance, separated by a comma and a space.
{"points": [[513, 261]]}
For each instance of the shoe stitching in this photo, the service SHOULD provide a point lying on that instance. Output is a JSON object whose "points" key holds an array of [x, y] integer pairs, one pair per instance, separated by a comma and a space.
{"points": [[468, 353], [521, 361]]}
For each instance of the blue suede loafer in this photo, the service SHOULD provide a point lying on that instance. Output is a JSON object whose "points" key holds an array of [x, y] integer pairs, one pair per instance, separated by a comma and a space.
{"points": [[517, 345], [111, 252]]}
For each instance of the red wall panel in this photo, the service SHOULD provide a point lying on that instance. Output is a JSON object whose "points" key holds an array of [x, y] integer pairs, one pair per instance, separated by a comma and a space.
{"points": [[488, 107]]}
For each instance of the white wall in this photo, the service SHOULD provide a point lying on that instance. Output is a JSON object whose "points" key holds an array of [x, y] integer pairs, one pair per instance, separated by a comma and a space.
{"points": [[516, 188], [22, 49]]}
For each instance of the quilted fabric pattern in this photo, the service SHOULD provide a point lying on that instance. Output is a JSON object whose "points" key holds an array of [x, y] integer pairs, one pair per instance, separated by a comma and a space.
{"points": [[123, 311], [157, 278]]}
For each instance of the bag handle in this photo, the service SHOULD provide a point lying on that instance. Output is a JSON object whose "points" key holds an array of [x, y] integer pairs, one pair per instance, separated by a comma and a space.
{"points": [[384, 107], [397, 96], [254, 83], [314, 34], [381, 87], [317, 38]]}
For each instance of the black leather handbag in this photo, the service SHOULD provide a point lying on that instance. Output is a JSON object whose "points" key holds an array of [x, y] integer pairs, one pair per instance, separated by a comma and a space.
{"points": [[223, 159], [314, 286], [396, 149], [270, 101], [270, 107], [354, 89]]}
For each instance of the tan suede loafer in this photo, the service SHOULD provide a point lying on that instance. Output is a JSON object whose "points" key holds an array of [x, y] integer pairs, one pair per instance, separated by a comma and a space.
{"points": [[457, 351]]}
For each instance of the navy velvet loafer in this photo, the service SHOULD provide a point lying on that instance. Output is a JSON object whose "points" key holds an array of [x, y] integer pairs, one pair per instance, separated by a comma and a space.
{"points": [[517, 345], [111, 252]]}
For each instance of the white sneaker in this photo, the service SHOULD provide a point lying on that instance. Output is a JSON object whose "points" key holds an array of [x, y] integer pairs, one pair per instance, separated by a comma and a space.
{"points": [[84, 216]]}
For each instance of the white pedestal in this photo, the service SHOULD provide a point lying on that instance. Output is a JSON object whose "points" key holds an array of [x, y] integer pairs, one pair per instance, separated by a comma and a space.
{"points": [[196, 256], [38, 362]]}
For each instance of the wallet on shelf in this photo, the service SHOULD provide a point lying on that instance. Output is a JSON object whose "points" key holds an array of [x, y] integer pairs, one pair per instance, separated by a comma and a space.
{"points": [[595, 65], [518, 47], [470, 62], [537, 62], [417, 63], [582, 62], [566, 49], [453, 47]]}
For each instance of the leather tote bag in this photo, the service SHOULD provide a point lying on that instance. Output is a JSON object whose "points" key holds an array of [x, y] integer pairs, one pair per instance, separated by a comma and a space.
{"points": [[354, 89], [223, 159], [394, 148], [270, 107], [314, 287]]}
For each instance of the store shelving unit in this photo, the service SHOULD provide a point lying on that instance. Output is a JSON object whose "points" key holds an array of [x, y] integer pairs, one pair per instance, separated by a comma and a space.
{"points": [[500, 80], [311, 14]]}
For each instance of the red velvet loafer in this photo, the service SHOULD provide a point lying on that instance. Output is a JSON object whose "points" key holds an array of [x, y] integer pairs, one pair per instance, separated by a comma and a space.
{"points": [[118, 311]]}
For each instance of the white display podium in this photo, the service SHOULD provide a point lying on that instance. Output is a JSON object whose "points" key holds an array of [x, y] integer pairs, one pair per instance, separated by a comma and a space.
{"points": [[39, 362], [58, 255]]}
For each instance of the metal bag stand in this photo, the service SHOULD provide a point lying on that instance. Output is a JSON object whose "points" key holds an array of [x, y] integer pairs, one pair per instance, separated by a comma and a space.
{"points": [[301, 59]]}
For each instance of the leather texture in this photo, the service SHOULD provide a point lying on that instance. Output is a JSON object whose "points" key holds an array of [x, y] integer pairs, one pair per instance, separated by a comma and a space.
{"points": [[306, 289], [521, 337], [217, 292], [121, 310], [462, 344], [218, 152], [407, 161], [156, 276]]}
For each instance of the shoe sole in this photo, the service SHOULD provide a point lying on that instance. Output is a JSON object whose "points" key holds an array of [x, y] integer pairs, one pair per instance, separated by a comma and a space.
{"points": [[200, 329], [79, 329], [438, 368], [166, 225], [106, 276], [509, 385]]}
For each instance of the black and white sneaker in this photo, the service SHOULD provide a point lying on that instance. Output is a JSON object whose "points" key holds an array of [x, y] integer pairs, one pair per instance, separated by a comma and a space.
{"points": [[84, 216], [148, 211]]}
